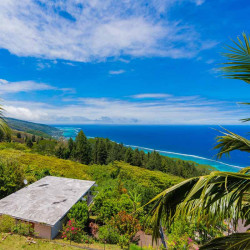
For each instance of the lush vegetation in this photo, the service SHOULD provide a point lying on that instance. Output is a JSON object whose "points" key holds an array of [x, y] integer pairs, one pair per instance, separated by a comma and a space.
{"points": [[79, 212], [217, 198], [127, 179], [33, 128], [122, 188], [103, 151], [10, 225]]}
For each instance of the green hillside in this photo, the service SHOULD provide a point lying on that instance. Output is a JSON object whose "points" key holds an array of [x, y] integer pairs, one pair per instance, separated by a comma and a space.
{"points": [[34, 128], [33, 163]]}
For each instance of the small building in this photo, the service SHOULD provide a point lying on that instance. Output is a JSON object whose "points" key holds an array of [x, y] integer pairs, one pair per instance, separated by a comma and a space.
{"points": [[45, 203]]}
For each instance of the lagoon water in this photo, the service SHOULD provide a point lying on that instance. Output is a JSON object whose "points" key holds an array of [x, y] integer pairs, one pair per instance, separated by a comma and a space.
{"points": [[187, 142]]}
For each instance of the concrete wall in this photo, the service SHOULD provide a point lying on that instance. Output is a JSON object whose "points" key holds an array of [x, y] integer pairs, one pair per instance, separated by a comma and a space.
{"points": [[58, 227], [42, 231]]}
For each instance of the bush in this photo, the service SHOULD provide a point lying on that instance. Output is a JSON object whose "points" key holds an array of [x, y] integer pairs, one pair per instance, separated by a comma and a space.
{"points": [[79, 212], [29, 143], [124, 241], [10, 225], [126, 224], [23, 228], [11, 178], [71, 231], [7, 224], [94, 228], [87, 239], [109, 234]]}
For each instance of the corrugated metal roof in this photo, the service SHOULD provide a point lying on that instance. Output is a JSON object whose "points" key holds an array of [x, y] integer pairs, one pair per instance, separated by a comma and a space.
{"points": [[45, 201]]}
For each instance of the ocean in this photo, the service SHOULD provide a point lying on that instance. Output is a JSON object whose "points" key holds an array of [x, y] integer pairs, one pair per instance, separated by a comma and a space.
{"points": [[187, 142]]}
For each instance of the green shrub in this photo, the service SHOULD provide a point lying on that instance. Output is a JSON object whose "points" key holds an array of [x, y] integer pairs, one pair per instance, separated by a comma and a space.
{"points": [[124, 241], [10, 225], [23, 228], [109, 234], [79, 212], [126, 224], [11, 178], [7, 224], [87, 239], [72, 232]]}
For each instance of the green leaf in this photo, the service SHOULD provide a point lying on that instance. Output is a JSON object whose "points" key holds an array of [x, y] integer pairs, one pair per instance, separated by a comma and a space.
{"points": [[232, 242]]}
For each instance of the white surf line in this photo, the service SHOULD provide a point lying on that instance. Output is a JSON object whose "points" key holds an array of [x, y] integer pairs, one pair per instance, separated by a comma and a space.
{"points": [[174, 153], [194, 156]]}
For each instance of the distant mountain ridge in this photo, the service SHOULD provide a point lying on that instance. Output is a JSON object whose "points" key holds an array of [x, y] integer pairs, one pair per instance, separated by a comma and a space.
{"points": [[34, 128]]}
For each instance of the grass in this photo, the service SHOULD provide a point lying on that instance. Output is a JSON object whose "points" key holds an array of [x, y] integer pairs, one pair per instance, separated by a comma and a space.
{"points": [[17, 242], [14, 242]]}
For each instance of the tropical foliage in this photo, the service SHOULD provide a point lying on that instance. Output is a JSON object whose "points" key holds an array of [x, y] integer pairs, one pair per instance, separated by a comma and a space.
{"points": [[237, 67], [211, 199], [220, 196], [4, 129], [238, 64], [11, 178], [79, 212], [71, 231]]}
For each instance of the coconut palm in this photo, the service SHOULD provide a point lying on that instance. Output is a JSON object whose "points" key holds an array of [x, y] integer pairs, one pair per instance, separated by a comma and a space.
{"points": [[218, 196], [238, 60], [236, 67], [3, 125]]}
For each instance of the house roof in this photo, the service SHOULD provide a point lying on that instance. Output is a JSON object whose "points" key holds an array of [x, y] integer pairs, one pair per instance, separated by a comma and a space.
{"points": [[45, 201]]}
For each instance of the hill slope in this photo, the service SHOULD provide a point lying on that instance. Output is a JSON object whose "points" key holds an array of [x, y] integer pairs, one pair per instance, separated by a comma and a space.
{"points": [[34, 128], [36, 165]]}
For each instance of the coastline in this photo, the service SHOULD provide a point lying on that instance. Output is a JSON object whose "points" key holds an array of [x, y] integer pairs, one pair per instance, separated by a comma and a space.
{"points": [[218, 165]]}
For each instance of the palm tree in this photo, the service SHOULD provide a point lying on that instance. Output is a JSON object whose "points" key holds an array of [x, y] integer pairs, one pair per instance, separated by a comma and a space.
{"points": [[3, 125], [236, 67], [218, 196]]}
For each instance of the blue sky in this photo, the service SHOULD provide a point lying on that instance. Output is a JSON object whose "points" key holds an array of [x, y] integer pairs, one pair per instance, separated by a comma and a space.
{"points": [[120, 62]]}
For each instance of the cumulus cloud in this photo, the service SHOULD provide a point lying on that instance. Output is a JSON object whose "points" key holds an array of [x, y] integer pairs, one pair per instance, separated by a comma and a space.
{"points": [[174, 110], [7, 87], [87, 30]]}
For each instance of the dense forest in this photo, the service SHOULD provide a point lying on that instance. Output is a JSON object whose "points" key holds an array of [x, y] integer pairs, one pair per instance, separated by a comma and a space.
{"points": [[104, 151]]}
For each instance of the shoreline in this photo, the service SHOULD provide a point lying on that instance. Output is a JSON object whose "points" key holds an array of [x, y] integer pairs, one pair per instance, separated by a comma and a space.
{"points": [[221, 166], [218, 165]]}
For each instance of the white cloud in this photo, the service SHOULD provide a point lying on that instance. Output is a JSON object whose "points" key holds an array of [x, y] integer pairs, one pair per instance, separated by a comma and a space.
{"points": [[7, 87], [22, 86], [116, 72], [174, 110], [93, 30], [150, 95]]}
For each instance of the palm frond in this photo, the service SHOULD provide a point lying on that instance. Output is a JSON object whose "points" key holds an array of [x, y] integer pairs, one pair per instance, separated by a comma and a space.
{"points": [[218, 196], [167, 202], [3, 125], [238, 65], [246, 119], [230, 141], [231, 242]]}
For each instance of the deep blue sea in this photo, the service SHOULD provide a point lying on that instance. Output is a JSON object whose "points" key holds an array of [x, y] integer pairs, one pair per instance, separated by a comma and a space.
{"points": [[187, 142]]}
